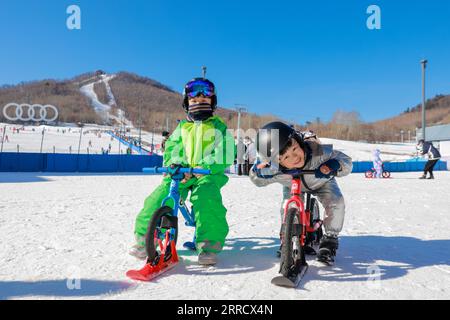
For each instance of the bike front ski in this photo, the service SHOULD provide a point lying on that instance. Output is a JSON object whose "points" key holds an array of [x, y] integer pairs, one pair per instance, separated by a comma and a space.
{"points": [[292, 280]]}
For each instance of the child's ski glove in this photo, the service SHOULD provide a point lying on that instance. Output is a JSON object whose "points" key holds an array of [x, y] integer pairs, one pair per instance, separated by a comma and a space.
{"points": [[333, 166], [174, 171], [264, 170]]}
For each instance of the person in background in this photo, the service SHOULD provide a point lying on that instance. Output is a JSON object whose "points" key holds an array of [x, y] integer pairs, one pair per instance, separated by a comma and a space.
{"points": [[165, 135], [377, 164], [250, 154], [426, 148]]}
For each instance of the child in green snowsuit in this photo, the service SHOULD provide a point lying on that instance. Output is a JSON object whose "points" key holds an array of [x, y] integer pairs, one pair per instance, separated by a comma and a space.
{"points": [[200, 141]]}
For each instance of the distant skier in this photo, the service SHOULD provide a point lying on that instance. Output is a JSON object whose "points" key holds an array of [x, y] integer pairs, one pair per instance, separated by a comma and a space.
{"points": [[427, 148], [165, 135], [377, 163]]}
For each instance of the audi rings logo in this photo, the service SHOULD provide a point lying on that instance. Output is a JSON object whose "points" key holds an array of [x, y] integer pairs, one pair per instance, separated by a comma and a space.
{"points": [[29, 112]]}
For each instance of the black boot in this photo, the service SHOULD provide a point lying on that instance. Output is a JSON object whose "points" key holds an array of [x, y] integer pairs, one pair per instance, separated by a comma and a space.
{"points": [[309, 250], [423, 176], [431, 176], [327, 249], [309, 245]]}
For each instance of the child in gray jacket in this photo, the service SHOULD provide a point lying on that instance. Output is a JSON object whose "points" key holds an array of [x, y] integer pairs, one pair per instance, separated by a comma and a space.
{"points": [[281, 148]]}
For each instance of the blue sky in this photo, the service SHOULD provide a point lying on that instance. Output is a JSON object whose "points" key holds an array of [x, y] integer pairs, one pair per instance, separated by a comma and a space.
{"points": [[297, 59]]}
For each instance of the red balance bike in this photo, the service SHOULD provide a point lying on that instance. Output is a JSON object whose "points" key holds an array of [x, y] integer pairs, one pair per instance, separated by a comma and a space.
{"points": [[372, 173], [301, 226]]}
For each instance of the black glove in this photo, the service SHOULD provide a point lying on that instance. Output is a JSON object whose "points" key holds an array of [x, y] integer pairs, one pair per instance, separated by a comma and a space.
{"points": [[333, 164], [265, 173]]}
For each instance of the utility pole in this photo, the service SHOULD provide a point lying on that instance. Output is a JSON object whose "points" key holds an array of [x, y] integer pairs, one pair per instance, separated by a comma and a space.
{"points": [[79, 141], [241, 149], [3, 137], [153, 134], [239, 108], [42, 139], [140, 125], [401, 134], [79, 145], [424, 66]]}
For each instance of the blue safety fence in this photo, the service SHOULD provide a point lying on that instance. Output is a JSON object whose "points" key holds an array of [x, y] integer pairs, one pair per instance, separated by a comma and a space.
{"points": [[406, 166], [54, 162]]}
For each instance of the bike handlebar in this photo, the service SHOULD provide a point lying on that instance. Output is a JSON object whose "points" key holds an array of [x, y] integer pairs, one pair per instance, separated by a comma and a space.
{"points": [[298, 172], [181, 170]]}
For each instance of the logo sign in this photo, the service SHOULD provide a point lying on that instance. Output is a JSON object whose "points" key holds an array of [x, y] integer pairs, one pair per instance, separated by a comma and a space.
{"points": [[73, 22], [30, 112], [295, 187], [374, 20]]}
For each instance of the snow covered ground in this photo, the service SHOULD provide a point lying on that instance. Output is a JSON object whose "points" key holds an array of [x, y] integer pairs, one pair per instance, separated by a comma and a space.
{"points": [[67, 236], [363, 151]]}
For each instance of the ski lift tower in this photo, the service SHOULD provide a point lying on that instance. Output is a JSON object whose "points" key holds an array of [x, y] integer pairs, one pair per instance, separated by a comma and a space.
{"points": [[424, 66]]}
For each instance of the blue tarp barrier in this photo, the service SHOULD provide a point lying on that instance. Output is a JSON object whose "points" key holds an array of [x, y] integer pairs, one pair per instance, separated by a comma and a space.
{"points": [[54, 162], [406, 166]]}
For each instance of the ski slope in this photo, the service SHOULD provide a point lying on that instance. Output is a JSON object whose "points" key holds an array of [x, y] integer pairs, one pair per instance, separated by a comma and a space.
{"points": [[104, 110], [30, 138], [67, 237], [363, 151]]}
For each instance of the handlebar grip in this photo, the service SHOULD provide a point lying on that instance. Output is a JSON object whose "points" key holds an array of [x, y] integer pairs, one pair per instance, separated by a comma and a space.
{"points": [[154, 170]]}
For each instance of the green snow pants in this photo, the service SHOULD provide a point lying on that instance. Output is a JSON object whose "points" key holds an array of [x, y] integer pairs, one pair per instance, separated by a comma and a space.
{"points": [[210, 214]]}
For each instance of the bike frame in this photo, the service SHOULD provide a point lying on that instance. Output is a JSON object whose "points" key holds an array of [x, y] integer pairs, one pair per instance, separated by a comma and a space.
{"points": [[304, 215], [174, 194], [179, 205]]}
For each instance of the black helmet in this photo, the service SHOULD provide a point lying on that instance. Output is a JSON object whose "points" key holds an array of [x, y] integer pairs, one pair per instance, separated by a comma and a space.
{"points": [[197, 86], [273, 138]]}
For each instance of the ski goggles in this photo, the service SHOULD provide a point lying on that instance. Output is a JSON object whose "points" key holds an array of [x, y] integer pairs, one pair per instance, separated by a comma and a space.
{"points": [[195, 88]]}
